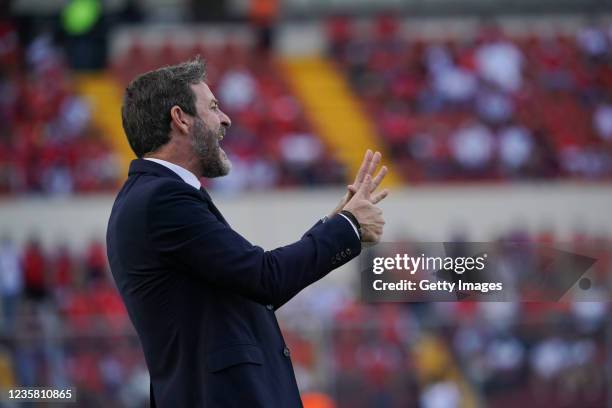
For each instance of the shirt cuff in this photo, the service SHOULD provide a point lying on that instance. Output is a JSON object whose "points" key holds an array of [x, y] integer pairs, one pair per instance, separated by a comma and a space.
{"points": [[352, 225]]}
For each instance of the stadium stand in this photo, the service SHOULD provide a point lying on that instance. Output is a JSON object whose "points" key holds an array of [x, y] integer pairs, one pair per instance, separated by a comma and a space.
{"points": [[69, 326], [488, 106], [271, 141], [504, 354], [493, 106], [51, 126], [48, 143]]}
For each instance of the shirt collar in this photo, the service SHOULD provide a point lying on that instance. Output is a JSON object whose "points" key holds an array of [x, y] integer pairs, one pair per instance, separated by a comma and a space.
{"points": [[187, 176]]}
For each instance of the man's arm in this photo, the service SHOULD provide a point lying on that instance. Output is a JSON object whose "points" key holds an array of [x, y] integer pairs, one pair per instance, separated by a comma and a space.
{"points": [[189, 236]]}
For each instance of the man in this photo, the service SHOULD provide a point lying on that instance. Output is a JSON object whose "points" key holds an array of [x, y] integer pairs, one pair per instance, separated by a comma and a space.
{"points": [[202, 298]]}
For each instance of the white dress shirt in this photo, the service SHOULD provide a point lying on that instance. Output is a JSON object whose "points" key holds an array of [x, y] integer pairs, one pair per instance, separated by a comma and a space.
{"points": [[187, 176]]}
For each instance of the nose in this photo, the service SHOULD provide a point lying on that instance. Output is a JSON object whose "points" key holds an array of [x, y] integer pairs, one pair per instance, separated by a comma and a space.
{"points": [[225, 120]]}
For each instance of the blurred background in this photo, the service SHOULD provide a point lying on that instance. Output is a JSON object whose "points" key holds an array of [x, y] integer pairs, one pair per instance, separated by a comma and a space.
{"points": [[495, 118]]}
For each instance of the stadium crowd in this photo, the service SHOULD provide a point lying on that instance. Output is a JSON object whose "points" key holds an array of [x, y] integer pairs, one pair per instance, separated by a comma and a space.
{"points": [[63, 323], [489, 105], [530, 353], [271, 142], [48, 143]]}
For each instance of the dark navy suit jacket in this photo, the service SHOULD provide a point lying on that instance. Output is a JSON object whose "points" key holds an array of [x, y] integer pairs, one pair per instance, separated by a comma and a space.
{"points": [[202, 298]]}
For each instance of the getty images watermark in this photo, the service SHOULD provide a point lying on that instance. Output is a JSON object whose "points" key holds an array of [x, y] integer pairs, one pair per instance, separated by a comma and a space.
{"points": [[412, 264], [480, 271]]}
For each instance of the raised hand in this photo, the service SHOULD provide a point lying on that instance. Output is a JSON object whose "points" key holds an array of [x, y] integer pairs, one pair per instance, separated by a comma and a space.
{"points": [[369, 216], [368, 166]]}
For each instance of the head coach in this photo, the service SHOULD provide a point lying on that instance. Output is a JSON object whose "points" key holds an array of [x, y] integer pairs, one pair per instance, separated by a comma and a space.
{"points": [[201, 297]]}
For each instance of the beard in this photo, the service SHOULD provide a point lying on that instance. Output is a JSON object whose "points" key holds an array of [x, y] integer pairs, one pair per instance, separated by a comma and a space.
{"points": [[213, 160]]}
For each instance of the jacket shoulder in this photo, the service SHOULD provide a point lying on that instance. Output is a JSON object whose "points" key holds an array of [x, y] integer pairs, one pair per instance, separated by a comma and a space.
{"points": [[157, 185], [145, 192], [147, 188]]}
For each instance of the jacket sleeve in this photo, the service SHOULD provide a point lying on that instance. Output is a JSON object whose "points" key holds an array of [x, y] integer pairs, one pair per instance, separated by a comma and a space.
{"points": [[319, 222], [186, 234]]}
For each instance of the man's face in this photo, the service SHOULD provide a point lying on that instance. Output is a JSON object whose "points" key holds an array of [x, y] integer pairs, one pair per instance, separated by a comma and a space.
{"points": [[208, 129]]}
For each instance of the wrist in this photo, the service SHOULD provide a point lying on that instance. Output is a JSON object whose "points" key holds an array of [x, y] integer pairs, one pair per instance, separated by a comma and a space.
{"points": [[337, 210], [353, 220]]}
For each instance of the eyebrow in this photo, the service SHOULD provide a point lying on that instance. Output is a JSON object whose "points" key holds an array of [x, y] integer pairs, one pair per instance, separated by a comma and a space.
{"points": [[215, 101]]}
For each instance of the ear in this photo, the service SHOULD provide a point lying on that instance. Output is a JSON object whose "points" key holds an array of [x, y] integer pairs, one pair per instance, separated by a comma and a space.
{"points": [[179, 120]]}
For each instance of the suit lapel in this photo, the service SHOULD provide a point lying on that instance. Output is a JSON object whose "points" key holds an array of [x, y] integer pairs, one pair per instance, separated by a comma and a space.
{"points": [[212, 207]]}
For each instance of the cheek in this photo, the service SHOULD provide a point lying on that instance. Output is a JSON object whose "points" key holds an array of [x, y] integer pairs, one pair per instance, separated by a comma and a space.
{"points": [[211, 120]]}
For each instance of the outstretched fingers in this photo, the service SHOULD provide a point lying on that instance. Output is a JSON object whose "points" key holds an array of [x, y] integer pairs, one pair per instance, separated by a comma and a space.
{"points": [[369, 164], [363, 169], [374, 163], [378, 197], [365, 188], [379, 177]]}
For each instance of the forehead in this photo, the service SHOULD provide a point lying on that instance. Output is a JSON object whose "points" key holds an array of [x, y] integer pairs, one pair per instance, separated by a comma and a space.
{"points": [[203, 93]]}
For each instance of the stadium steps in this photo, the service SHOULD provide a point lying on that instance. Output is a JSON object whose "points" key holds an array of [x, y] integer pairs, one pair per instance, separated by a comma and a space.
{"points": [[104, 94], [335, 113], [434, 363]]}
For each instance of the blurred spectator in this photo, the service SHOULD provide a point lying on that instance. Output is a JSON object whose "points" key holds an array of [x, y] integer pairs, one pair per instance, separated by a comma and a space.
{"points": [[63, 278], [515, 148], [9, 43], [473, 147], [35, 272], [549, 357], [494, 107], [454, 84], [11, 282], [135, 393], [263, 15], [441, 395], [301, 149], [602, 121], [339, 33], [501, 63], [237, 89], [590, 315], [593, 41], [95, 261]]}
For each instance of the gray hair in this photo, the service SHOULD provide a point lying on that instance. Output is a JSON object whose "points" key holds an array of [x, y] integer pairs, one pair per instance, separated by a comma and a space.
{"points": [[148, 99]]}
